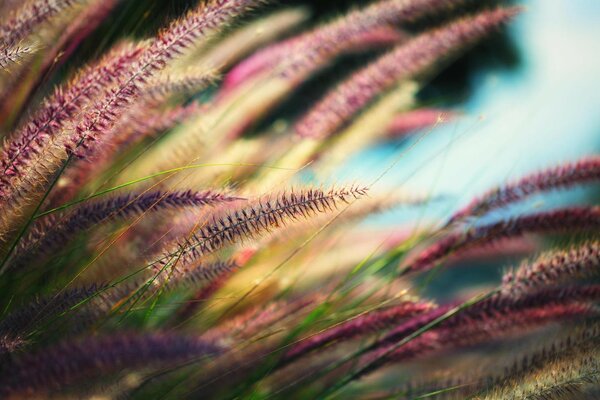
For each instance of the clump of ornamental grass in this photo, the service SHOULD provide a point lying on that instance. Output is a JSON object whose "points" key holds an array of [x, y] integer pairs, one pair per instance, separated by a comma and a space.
{"points": [[159, 240]]}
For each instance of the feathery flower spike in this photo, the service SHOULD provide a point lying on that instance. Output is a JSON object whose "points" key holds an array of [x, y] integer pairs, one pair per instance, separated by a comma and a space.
{"points": [[12, 55], [261, 217], [575, 219], [486, 320], [492, 308], [473, 332], [371, 322], [299, 56], [54, 231], [72, 362], [111, 101], [58, 109], [186, 82], [417, 56], [25, 19], [563, 370], [553, 268], [416, 120], [560, 177], [16, 327]]}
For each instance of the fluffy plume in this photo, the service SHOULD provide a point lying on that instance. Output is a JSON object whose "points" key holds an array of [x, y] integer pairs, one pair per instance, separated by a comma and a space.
{"points": [[302, 54], [372, 322], [563, 220], [56, 111], [188, 82], [146, 119], [12, 55], [415, 57], [494, 318], [73, 362], [553, 268], [128, 75], [564, 370], [16, 327], [180, 34], [417, 120], [376, 203], [559, 177], [262, 216], [498, 379], [493, 308], [37, 150], [475, 332], [33, 13], [54, 231]]}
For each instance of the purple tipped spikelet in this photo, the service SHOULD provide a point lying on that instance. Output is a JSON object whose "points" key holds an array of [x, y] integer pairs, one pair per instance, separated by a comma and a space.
{"points": [[573, 219], [408, 60], [31, 141], [494, 317], [28, 17], [472, 333], [261, 217], [553, 268], [299, 56], [372, 322], [54, 231], [565, 368], [105, 108], [169, 43], [71, 363], [559, 177], [489, 309], [20, 324]]}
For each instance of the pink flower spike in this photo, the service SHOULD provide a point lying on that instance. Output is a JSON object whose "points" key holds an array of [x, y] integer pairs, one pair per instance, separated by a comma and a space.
{"points": [[371, 322], [359, 29], [416, 57], [559, 177], [72, 362], [575, 219], [29, 16], [553, 268], [27, 174], [417, 120], [31, 139], [272, 58]]}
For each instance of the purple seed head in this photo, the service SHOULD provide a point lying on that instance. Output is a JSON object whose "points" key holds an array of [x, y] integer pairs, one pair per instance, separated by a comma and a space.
{"points": [[574, 219], [560, 177], [417, 56]]}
